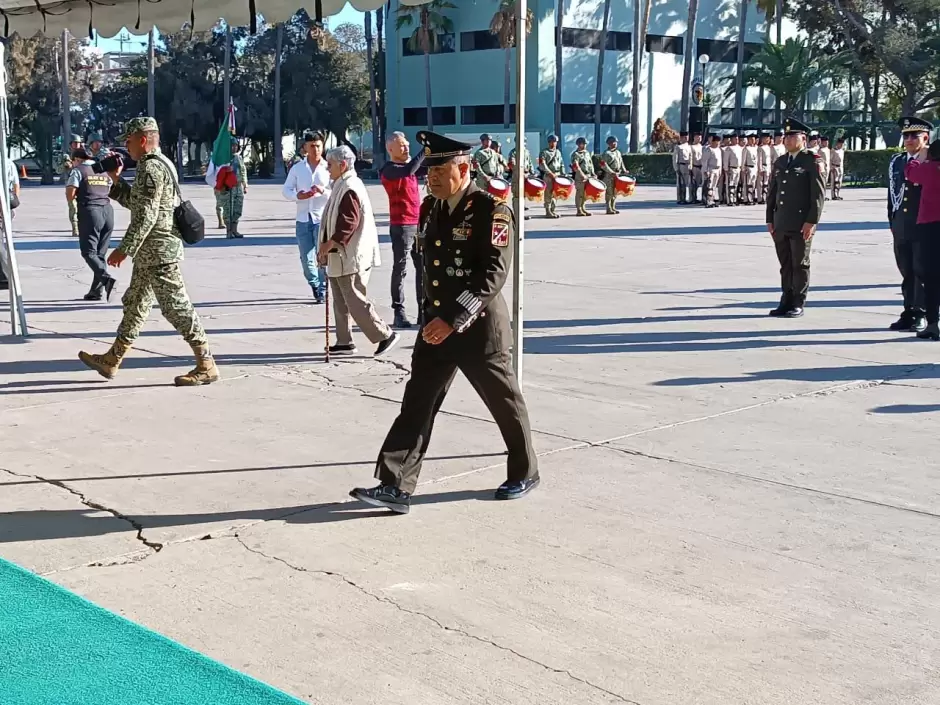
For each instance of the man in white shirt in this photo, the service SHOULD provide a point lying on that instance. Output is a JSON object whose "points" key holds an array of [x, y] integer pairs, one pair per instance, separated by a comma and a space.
{"points": [[308, 186]]}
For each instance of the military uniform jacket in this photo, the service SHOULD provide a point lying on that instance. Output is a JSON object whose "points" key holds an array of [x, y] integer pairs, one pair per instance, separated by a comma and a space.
{"points": [[750, 156], [735, 156], [796, 193], [488, 162], [151, 238], [765, 158], [697, 155], [612, 162], [527, 160], [711, 159], [467, 255], [837, 158], [903, 196], [241, 172], [585, 162], [824, 160], [552, 162], [682, 154]]}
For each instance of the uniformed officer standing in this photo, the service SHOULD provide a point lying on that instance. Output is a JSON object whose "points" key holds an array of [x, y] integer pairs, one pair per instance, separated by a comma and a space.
{"points": [[486, 162], [903, 206], [765, 161], [65, 168], [582, 165], [154, 245], [96, 148], [837, 168], [233, 201], [723, 174], [779, 148], [750, 170], [553, 164], [734, 158], [711, 166], [697, 176], [467, 254], [526, 172], [795, 203], [824, 159], [682, 165], [611, 162]]}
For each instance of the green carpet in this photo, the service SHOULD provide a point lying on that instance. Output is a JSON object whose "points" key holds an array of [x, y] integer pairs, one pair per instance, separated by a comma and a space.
{"points": [[59, 649]]}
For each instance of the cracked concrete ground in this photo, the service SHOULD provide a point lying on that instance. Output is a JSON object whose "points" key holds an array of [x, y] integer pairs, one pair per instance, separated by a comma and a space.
{"points": [[734, 509]]}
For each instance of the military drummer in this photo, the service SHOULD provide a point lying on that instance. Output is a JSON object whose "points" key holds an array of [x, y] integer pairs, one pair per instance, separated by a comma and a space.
{"points": [[467, 255], [487, 162], [795, 202], [553, 165], [582, 166]]}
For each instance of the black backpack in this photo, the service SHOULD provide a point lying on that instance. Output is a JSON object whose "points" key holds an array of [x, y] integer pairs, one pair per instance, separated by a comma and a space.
{"points": [[189, 221]]}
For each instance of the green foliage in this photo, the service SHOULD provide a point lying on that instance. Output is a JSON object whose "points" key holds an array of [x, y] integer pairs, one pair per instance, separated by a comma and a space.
{"points": [[428, 21]]}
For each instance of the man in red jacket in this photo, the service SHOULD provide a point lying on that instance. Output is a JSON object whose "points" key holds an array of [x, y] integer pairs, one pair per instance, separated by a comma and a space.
{"points": [[400, 179]]}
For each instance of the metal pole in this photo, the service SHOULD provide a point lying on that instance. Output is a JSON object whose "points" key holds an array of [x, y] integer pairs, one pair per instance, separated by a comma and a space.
{"points": [[66, 108], [278, 132], [519, 178], [7, 252], [228, 67], [151, 89]]}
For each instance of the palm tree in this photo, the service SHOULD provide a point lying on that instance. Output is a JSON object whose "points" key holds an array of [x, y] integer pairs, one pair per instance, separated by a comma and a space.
{"points": [[598, 86], [688, 63], [373, 100], [503, 25], [380, 51], [429, 22], [559, 26], [640, 26], [739, 73], [278, 129]]}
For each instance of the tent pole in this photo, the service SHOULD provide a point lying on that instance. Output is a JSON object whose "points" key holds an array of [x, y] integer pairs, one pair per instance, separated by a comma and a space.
{"points": [[7, 253], [518, 177]]}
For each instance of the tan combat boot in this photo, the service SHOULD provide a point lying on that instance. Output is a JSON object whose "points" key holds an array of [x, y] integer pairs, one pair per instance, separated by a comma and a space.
{"points": [[205, 371], [107, 365]]}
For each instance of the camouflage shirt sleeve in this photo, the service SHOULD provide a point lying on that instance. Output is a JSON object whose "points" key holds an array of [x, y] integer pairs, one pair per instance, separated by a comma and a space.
{"points": [[242, 171], [143, 197]]}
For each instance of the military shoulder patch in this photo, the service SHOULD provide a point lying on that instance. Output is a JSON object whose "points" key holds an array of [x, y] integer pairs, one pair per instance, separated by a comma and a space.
{"points": [[500, 234], [502, 216]]}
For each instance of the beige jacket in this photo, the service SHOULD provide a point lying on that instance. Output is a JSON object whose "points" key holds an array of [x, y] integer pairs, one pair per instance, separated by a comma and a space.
{"points": [[362, 250]]}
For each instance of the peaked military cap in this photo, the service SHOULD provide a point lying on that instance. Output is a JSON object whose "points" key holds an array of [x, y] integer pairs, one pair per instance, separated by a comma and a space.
{"points": [[552, 138], [792, 126], [580, 140], [611, 138], [914, 124], [76, 138], [138, 124], [824, 138], [840, 138], [778, 133], [94, 137], [484, 136], [683, 133], [439, 149], [714, 136]]}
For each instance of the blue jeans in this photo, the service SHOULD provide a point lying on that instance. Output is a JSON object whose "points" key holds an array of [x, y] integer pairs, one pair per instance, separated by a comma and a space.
{"points": [[307, 235]]}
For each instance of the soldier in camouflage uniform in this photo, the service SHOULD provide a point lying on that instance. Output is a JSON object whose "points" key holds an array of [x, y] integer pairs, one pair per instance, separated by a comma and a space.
{"points": [[487, 163], [582, 164], [612, 165], [526, 171], [154, 245], [553, 164], [229, 203], [65, 169]]}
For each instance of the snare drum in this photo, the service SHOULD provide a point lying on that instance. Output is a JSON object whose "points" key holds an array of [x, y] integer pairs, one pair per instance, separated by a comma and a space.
{"points": [[562, 188], [534, 189], [594, 190], [624, 185], [499, 188]]}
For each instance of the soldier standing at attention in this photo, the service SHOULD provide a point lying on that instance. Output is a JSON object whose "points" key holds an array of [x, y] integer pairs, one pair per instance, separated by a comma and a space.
{"points": [[711, 166], [778, 147], [734, 159], [765, 160], [824, 159], [837, 168], [612, 163], [682, 165], [903, 206], [795, 203], [697, 178], [553, 164], [155, 247], [750, 170], [813, 144], [65, 168], [467, 255], [486, 162], [233, 202], [96, 148], [723, 177], [526, 171], [583, 167]]}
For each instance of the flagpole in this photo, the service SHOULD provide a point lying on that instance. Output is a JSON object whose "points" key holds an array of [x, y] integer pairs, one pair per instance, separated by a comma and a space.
{"points": [[229, 233]]}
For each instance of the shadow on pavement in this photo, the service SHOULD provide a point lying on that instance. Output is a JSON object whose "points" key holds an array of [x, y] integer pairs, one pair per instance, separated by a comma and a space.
{"points": [[906, 409], [819, 374]]}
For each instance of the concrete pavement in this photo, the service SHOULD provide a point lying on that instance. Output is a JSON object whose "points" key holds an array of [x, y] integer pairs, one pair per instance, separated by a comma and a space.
{"points": [[734, 509]]}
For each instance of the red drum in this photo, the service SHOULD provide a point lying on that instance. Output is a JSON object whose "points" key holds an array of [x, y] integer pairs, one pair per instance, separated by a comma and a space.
{"points": [[562, 188], [534, 189], [594, 190], [498, 188], [624, 185]]}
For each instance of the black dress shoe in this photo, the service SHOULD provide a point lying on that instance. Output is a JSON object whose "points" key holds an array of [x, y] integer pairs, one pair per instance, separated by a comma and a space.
{"points": [[931, 331], [92, 296], [385, 496], [781, 309], [109, 287], [903, 323], [794, 312], [401, 321], [514, 489], [918, 324]]}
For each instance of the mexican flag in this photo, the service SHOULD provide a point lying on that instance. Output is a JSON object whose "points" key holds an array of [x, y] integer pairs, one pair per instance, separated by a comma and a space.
{"points": [[222, 148]]}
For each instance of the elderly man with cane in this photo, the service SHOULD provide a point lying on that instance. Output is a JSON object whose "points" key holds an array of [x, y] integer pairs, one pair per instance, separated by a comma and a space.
{"points": [[349, 249]]}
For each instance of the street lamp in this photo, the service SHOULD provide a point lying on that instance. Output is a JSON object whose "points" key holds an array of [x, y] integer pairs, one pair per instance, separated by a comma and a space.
{"points": [[703, 60]]}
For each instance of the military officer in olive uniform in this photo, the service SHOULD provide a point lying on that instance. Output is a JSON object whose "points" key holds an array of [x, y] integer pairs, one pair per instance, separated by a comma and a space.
{"points": [[526, 171], [795, 201], [903, 205], [611, 163], [153, 243], [582, 165], [65, 168], [487, 163], [552, 164], [467, 254]]}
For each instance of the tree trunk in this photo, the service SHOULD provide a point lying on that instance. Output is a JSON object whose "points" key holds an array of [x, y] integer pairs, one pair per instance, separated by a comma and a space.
{"points": [[639, 31], [64, 75], [179, 148], [559, 24], [599, 86], [151, 81], [427, 87], [739, 74], [779, 17], [278, 130], [507, 99], [373, 98], [227, 79], [380, 37], [688, 63]]}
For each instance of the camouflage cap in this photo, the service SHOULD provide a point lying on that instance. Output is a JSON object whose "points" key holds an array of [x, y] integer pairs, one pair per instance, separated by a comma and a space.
{"points": [[138, 124], [95, 137], [75, 138]]}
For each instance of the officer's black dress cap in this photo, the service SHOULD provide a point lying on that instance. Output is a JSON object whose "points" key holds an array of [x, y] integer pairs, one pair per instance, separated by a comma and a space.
{"points": [[792, 126], [439, 149], [914, 124]]}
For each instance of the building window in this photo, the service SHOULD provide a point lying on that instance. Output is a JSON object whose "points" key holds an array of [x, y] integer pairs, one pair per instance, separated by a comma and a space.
{"points": [[591, 39], [663, 44], [478, 41], [485, 114], [446, 44], [418, 117], [726, 52], [584, 113], [749, 116]]}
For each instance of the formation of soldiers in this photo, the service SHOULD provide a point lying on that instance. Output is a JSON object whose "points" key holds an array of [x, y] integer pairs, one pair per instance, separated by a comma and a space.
{"points": [[582, 166], [735, 169]]}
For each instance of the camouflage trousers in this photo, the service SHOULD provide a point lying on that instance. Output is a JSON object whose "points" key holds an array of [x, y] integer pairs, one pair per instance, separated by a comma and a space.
{"points": [[230, 204], [73, 216], [579, 197], [164, 284], [548, 198], [610, 194]]}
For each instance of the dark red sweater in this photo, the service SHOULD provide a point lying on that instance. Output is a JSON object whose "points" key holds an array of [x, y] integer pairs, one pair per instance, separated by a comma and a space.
{"points": [[401, 185]]}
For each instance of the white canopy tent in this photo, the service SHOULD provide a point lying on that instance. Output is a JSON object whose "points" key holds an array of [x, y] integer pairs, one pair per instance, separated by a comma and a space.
{"points": [[108, 17]]}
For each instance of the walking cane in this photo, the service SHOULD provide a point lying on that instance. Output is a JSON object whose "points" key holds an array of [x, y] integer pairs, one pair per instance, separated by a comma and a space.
{"points": [[326, 327]]}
